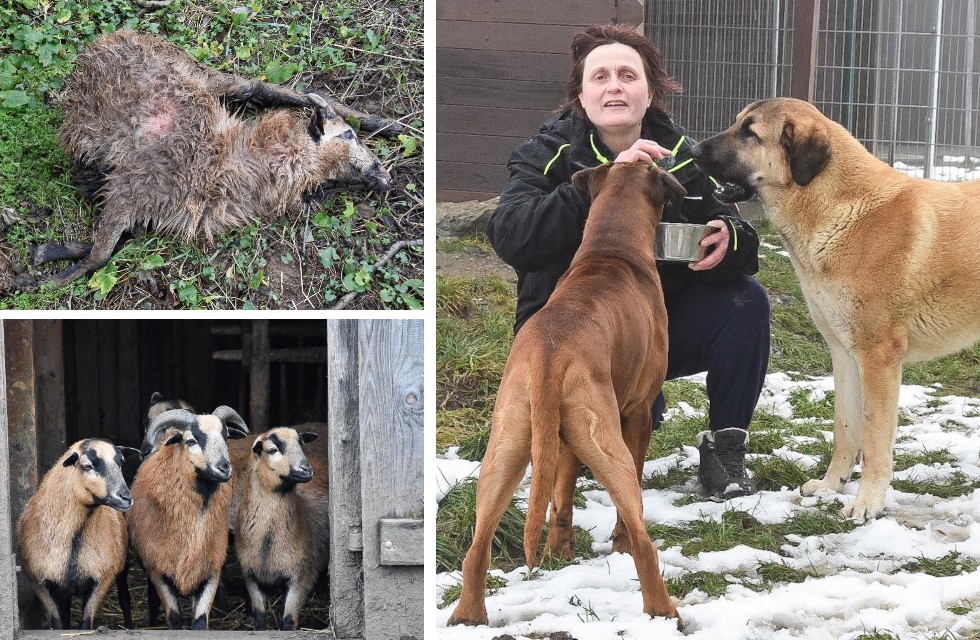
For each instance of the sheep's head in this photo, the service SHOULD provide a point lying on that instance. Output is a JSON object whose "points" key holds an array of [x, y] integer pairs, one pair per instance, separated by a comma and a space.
{"points": [[96, 474], [348, 162], [203, 437], [158, 404], [279, 459]]}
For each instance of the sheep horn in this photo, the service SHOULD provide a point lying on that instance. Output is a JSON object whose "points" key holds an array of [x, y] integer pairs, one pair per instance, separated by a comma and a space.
{"points": [[230, 418], [173, 418]]}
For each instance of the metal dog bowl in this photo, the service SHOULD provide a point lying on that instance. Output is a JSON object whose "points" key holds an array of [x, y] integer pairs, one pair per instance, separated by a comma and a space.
{"points": [[680, 242]]}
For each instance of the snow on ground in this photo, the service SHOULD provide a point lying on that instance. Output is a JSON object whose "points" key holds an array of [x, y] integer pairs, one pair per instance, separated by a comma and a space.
{"points": [[861, 588]]}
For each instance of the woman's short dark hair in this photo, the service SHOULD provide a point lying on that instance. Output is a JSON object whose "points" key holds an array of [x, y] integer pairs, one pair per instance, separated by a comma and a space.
{"points": [[660, 82]]}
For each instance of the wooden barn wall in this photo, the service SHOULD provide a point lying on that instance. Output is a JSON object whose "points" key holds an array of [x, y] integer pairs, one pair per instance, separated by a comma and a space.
{"points": [[501, 66]]}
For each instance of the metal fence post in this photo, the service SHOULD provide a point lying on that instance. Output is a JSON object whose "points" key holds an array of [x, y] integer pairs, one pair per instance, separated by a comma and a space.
{"points": [[934, 93]]}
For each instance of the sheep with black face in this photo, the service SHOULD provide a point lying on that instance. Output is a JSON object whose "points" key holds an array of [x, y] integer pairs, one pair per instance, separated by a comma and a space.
{"points": [[72, 534], [280, 520], [179, 522]]}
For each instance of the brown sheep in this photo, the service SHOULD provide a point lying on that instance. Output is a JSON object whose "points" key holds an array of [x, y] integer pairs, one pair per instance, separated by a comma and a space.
{"points": [[72, 534], [281, 528], [179, 521], [154, 143]]}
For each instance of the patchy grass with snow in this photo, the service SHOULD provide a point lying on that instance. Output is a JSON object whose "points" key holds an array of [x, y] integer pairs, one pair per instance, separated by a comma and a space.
{"points": [[772, 565], [791, 566]]}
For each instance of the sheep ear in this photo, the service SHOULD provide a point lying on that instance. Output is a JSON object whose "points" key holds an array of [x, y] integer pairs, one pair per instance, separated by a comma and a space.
{"points": [[316, 125], [72, 459], [235, 434], [128, 451], [308, 437], [257, 447], [174, 439], [156, 397]]}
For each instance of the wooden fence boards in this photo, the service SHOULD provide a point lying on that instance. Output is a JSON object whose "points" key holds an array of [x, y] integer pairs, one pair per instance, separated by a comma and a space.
{"points": [[501, 69]]}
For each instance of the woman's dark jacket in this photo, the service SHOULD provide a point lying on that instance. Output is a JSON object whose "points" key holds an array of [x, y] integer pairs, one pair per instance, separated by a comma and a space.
{"points": [[538, 224]]}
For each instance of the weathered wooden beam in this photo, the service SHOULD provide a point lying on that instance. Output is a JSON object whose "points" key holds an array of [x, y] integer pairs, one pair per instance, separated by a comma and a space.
{"points": [[390, 412], [346, 542], [301, 355], [258, 368], [21, 412], [806, 26], [8, 564], [49, 365]]}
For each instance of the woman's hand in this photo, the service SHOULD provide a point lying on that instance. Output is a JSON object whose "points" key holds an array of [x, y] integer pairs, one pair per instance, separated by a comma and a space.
{"points": [[643, 150], [719, 239]]}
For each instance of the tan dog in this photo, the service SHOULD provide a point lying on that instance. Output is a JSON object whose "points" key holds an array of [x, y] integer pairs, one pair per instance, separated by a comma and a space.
{"points": [[886, 261], [582, 376]]}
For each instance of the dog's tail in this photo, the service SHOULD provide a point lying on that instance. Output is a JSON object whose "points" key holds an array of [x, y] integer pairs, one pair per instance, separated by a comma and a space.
{"points": [[545, 426]]}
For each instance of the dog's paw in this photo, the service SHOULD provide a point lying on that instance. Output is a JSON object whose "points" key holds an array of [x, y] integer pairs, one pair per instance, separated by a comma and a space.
{"points": [[865, 507], [820, 488]]}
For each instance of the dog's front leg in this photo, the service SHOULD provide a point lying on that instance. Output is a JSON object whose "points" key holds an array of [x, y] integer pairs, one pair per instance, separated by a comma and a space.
{"points": [[881, 377], [848, 422]]}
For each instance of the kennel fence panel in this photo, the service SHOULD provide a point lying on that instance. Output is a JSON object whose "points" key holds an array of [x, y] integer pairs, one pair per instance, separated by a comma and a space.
{"points": [[901, 76]]}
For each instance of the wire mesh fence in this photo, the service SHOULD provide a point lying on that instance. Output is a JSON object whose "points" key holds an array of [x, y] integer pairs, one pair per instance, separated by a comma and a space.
{"points": [[901, 75]]}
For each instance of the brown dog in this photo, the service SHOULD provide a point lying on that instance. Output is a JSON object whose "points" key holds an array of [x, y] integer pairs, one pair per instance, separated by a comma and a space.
{"points": [[582, 376], [886, 262]]}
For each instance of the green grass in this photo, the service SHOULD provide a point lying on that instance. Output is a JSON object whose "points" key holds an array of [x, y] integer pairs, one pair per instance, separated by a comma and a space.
{"points": [[958, 484], [713, 584], [951, 564], [473, 339], [772, 473], [907, 460], [368, 54], [456, 523]]}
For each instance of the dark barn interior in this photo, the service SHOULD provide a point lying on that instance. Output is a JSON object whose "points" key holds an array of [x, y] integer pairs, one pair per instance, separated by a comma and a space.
{"points": [[94, 378]]}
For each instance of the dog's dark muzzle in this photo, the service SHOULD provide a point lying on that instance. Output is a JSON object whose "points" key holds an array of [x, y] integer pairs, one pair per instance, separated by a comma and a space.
{"points": [[732, 188]]}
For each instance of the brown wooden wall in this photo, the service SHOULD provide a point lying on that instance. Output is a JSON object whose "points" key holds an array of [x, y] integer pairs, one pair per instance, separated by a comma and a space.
{"points": [[501, 67]]}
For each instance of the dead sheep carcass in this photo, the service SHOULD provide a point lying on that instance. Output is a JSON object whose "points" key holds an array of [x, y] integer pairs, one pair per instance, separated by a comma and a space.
{"points": [[154, 142]]}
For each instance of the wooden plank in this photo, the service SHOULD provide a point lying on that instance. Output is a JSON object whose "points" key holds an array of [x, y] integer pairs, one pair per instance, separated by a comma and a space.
{"points": [[402, 541], [86, 415], [567, 12], [467, 176], [391, 408], [453, 195], [21, 412], [8, 564], [490, 92], [806, 25], [343, 464], [129, 404], [497, 36], [197, 346], [258, 411], [505, 65], [50, 369], [490, 120], [148, 634], [462, 147], [108, 346]]}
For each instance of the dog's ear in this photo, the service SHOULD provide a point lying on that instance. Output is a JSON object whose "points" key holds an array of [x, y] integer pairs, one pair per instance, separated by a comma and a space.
{"points": [[672, 188], [590, 180], [808, 151]]}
